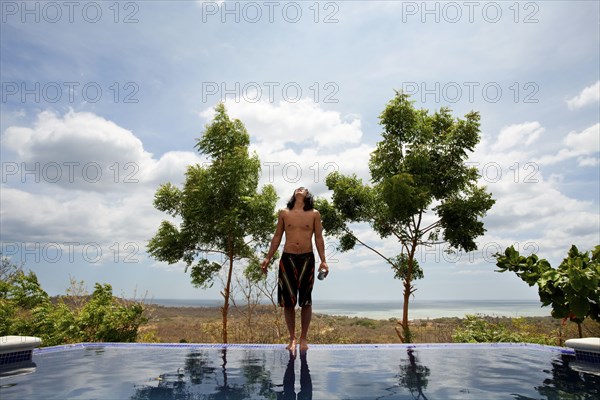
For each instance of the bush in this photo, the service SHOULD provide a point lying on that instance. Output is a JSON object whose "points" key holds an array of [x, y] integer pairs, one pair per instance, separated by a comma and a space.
{"points": [[26, 309], [367, 323], [478, 329]]}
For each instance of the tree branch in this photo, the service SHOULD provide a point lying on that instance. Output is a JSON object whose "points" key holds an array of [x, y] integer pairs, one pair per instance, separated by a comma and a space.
{"points": [[211, 251], [369, 247], [420, 218], [430, 227], [429, 244]]}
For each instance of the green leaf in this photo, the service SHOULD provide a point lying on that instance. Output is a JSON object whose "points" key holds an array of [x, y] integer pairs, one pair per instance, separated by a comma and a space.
{"points": [[579, 306]]}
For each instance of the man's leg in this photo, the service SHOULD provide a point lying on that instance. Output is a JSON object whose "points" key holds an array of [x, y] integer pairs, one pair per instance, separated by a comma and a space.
{"points": [[290, 320], [305, 317]]}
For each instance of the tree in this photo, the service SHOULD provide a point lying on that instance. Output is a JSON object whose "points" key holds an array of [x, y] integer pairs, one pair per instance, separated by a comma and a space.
{"points": [[573, 289], [220, 209], [418, 169]]}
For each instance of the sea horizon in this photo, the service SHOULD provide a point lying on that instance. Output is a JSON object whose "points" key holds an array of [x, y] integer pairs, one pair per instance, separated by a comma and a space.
{"points": [[386, 309]]}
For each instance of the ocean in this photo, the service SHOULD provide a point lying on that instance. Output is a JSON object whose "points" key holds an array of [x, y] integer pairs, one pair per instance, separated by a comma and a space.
{"points": [[418, 309]]}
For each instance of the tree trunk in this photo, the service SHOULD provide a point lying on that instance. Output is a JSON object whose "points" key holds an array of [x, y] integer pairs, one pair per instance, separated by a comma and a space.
{"points": [[225, 308], [579, 330], [406, 335], [405, 330]]}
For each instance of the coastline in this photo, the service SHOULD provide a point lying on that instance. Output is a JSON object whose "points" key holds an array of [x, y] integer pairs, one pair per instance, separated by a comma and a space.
{"points": [[386, 309]]}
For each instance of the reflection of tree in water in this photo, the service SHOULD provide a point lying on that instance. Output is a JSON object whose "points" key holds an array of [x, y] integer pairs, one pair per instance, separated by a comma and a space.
{"points": [[413, 376], [257, 377], [201, 378], [197, 364], [567, 383]]}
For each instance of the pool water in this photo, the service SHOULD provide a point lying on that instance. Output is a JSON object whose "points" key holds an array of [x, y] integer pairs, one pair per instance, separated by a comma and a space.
{"points": [[121, 371]]}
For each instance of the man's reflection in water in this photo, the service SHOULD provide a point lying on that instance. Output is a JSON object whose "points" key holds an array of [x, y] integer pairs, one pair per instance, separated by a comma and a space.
{"points": [[289, 379]]}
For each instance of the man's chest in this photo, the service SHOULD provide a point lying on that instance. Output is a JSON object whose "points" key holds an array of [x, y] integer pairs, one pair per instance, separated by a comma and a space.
{"points": [[299, 222]]}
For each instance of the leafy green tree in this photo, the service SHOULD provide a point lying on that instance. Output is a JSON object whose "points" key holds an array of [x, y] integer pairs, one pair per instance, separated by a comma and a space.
{"points": [[421, 188], [573, 289], [220, 209]]}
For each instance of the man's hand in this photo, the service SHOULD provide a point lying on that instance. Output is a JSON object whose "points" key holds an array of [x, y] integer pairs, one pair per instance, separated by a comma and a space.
{"points": [[264, 266], [324, 266]]}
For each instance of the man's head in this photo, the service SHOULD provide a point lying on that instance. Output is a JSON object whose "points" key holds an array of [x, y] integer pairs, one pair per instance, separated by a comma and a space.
{"points": [[301, 193]]}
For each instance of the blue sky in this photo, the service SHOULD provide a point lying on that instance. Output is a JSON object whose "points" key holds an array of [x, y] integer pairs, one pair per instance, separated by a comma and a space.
{"points": [[103, 101]]}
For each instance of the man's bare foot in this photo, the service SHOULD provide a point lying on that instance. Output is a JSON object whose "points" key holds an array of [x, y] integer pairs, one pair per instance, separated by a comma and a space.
{"points": [[292, 346], [303, 344]]}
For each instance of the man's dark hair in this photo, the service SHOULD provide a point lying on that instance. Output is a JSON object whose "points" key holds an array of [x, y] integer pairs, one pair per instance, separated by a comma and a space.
{"points": [[309, 202]]}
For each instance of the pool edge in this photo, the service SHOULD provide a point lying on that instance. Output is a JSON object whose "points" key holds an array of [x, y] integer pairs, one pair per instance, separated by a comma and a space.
{"points": [[316, 347]]}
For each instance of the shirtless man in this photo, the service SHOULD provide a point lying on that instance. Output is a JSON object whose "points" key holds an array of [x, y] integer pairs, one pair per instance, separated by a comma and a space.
{"points": [[299, 221]]}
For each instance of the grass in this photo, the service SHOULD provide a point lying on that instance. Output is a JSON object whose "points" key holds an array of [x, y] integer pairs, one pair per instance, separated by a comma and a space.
{"points": [[265, 325]]}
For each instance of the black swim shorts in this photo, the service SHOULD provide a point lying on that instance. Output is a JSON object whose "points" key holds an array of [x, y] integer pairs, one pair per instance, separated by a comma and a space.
{"points": [[296, 279]]}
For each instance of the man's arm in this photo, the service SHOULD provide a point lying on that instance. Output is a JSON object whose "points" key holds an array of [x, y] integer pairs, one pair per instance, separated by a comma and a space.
{"points": [[274, 242], [319, 241]]}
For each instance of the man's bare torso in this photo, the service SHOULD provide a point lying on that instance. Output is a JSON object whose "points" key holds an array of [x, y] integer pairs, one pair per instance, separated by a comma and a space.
{"points": [[299, 227]]}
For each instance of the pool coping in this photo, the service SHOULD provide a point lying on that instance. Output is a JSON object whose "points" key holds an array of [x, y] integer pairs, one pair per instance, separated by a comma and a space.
{"points": [[316, 347]]}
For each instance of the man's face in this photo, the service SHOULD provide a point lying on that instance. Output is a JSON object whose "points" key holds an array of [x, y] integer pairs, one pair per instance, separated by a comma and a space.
{"points": [[302, 191]]}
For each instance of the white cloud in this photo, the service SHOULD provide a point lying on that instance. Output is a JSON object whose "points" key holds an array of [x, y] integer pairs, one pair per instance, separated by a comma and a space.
{"points": [[584, 143], [89, 219], [518, 135], [83, 151], [587, 161], [300, 123], [589, 95]]}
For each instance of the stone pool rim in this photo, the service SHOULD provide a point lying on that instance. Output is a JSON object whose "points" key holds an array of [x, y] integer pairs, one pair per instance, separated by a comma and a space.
{"points": [[315, 347]]}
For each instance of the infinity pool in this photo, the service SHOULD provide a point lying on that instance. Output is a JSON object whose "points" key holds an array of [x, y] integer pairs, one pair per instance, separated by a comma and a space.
{"points": [[444, 371]]}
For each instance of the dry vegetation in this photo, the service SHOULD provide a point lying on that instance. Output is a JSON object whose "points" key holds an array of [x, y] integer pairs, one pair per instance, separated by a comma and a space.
{"points": [[265, 325]]}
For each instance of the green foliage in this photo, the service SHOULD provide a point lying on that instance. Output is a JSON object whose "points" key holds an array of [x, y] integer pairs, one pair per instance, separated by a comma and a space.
{"points": [[366, 322], [460, 217], [401, 270], [478, 329], [573, 289], [26, 309], [203, 272], [103, 319], [419, 167]]}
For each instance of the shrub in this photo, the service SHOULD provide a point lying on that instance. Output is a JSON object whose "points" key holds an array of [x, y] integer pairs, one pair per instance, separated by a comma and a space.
{"points": [[26, 309], [478, 329]]}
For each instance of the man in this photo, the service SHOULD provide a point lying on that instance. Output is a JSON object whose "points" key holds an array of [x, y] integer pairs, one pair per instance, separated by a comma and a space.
{"points": [[299, 221]]}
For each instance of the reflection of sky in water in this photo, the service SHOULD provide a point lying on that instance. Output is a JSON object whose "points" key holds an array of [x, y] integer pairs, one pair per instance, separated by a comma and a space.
{"points": [[324, 372]]}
